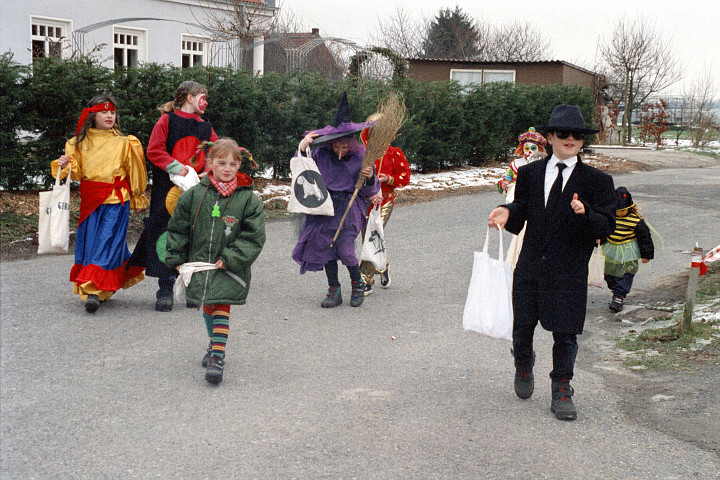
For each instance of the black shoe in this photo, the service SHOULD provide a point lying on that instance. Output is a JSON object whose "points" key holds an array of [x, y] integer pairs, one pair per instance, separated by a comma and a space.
{"points": [[214, 371], [562, 405], [164, 302], [190, 304], [333, 298], [385, 278], [92, 303], [524, 383], [524, 378], [368, 290], [358, 294], [206, 358], [616, 304]]}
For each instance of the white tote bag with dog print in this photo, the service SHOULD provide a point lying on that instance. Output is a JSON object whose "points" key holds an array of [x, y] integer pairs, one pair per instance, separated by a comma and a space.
{"points": [[308, 193]]}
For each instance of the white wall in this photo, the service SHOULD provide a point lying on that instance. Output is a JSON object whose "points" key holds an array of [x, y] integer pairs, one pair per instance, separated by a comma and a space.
{"points": [[163, 37]]}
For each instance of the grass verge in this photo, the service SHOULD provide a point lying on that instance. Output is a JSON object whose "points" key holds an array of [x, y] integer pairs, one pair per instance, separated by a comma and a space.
{"points": [[664, 344]]}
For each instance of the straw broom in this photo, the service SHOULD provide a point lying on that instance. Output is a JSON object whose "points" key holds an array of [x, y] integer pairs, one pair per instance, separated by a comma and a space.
{"points": [[392, 116]]}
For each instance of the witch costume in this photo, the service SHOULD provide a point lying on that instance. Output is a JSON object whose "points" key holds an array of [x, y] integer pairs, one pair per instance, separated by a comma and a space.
{"points": [[313, 251]]}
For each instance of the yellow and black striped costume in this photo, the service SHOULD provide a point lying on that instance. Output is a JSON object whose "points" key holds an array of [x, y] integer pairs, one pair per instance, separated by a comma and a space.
{"points": [[625, 228], [630, 242]]}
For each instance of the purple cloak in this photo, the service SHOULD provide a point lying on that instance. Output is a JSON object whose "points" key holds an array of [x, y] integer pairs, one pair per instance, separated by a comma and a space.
{"points": [[313, 249]]}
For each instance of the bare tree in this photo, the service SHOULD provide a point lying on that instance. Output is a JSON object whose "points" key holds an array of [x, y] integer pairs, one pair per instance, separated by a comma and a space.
{"points": [[240, 21], [642, 62], [514, 42], [402, 33], [702, 116], [511, 42]]}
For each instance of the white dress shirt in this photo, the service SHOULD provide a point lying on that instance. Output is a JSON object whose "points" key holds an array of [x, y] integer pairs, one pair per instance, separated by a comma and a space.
{"points": [[551, 172]]}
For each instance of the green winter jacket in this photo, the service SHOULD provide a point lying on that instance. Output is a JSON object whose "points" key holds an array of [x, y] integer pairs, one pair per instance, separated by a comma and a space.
{"points": [[235, 233]]}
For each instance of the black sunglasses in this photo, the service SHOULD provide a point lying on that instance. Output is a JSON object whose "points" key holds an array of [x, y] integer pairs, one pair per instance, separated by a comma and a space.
{"points": [[562, 135]]}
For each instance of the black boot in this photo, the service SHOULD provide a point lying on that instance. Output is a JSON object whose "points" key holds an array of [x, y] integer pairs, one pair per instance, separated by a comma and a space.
{"points": [[524, 379], [214, 373], [206, 358], [92, 303], [333, 298], [617, 303], [358, 294], [164, 302], [562, 405]]}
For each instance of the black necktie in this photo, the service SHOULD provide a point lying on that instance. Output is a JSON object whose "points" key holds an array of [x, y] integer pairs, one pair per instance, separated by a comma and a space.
{"points": [[556, 190]]}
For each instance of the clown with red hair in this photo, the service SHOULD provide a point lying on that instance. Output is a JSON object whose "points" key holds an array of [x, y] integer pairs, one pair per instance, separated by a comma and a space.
{"points": [[531, 147]]}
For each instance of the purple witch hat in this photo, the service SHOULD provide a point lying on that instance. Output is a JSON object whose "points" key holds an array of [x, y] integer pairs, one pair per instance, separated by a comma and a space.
{"points": [[343, 126]]}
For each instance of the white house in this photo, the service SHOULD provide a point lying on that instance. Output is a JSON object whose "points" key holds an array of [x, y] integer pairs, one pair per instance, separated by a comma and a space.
{"points": [[129, 32]]}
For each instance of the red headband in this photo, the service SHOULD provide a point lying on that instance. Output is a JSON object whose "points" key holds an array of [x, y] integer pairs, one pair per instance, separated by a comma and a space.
{"points": [[100, 107]]}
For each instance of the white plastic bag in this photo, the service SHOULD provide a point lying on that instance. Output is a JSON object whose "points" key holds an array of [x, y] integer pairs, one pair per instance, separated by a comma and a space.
{"points": [[596, 268], [54, 218], [488, 308], [308, 193], [186, 182], [373, 249]]}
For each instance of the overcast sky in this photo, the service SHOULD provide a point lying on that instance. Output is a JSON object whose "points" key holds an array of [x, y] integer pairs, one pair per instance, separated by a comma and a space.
{"points": [[573, 28]]}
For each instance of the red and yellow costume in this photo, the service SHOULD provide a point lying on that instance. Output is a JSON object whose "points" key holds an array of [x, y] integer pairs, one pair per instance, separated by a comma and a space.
{"points": [[393, 164], [111, 170]]}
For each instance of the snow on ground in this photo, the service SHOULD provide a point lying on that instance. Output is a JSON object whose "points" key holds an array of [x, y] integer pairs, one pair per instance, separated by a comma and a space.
{"points": [[465, 177]]}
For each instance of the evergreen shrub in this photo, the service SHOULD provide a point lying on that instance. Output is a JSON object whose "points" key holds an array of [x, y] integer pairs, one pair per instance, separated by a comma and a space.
{"points": [[447, 125]]}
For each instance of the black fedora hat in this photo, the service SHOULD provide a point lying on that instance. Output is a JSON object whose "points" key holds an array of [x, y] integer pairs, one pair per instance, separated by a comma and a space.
{"points": [[566, 118]]}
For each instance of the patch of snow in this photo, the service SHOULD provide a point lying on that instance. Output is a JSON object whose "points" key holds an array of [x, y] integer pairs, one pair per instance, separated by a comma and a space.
{"points": [[662, 398]]}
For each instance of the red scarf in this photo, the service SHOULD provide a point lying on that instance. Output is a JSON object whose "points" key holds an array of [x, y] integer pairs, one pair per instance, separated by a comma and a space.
{"points": [[225, 188], [100, 107]]}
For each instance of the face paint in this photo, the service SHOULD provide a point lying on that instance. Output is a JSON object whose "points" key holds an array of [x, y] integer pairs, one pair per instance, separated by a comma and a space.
{"points": [[529, 149], [202, 103]]}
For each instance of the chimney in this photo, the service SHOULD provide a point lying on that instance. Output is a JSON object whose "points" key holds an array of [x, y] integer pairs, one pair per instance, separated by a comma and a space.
{"points": [[315, 32]]}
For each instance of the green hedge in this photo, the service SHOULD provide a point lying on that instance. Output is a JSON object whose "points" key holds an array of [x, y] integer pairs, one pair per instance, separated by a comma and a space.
{"points": [[447, 125]]}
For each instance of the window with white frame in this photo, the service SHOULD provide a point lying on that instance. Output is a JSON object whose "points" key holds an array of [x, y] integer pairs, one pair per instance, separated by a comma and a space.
{"points": [[47, 36], [128, 47], [194, 51], [468, 77], [498, 76]]}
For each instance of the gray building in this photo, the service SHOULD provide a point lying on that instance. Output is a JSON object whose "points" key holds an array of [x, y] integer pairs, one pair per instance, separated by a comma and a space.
{"points": [[131, 32]]}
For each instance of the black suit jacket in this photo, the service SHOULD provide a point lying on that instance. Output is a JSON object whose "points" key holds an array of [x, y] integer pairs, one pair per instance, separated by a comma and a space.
{"points": [[550, 279]]}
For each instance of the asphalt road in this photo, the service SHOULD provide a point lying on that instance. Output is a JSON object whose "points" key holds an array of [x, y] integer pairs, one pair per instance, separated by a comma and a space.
{"points": [[394, 389]]}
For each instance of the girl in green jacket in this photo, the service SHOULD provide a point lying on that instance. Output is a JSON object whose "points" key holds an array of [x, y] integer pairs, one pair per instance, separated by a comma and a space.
{"points": [[218, 221]]}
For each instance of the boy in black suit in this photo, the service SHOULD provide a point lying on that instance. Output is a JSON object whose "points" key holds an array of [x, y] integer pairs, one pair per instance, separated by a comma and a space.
{"points": [[567, 206]]}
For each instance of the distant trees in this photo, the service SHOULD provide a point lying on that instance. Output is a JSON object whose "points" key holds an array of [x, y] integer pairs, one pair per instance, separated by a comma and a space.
{"points": [[701, 114], [516, 42], [641, 63], [452, 34], [402, 33]]}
